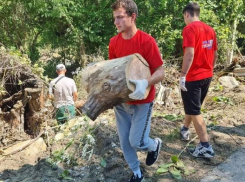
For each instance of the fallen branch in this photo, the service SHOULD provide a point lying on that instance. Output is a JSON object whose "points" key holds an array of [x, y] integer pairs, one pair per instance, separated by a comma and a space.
{"points": [[233, 138], [25, 146], [78, 111], [16, 96], [3, 154], [187, 145]]}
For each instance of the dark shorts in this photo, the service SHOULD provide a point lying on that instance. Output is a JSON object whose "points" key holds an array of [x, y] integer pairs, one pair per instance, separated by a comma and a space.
{"points": [[195, 95]]}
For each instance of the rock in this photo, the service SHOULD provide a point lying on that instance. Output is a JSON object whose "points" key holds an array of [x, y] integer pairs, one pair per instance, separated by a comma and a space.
{"points": [[113, 145], [37, 147], [33, 149], [59, 136], [75, 122], [228, 81]]}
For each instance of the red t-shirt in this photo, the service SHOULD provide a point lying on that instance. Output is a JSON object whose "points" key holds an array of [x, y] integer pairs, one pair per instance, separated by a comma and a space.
{"points": [[202, 38], [143, 44]]}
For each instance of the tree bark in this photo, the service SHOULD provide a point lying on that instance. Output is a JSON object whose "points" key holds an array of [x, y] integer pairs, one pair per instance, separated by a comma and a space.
{"points": [[107, 82], [233, 41]]}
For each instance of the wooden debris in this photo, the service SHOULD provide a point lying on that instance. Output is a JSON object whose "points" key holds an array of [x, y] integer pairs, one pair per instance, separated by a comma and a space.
{"points": [[107, 82], [239, 71]]}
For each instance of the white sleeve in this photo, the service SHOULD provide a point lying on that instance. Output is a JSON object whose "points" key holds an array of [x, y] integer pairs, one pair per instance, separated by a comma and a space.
{"points": [[74, 88]]}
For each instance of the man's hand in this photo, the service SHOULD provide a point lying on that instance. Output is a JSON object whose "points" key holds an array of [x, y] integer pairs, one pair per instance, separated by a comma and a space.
{"points": [[140, 89], [51, 97], [182, 84]]}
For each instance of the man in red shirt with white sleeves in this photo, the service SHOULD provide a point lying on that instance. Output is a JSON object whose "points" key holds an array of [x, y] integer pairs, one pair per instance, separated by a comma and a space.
{"points": [[200, 54]]}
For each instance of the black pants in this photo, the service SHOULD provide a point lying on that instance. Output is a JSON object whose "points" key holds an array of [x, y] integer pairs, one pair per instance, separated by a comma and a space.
{"points": [[195, 95]]}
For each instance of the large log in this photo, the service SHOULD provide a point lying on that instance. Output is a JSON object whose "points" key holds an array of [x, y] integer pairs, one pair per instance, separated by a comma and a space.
{"points": [[107, 82]]}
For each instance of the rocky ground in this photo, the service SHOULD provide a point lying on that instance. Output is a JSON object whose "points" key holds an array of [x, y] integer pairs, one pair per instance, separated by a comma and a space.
{"points": [[83, 150]]}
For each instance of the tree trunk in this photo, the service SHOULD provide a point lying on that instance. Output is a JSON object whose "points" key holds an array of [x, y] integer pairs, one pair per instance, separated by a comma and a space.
{"points": [[107, 82], [233, 41]]}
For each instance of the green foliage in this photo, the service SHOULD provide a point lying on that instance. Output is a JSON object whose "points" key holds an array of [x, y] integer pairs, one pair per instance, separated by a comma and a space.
{"points": [[62, 156], [218, 87], [176, 168], [102, 162], [169, 117], [164, 21], [174, 159], [173, 117], [65, 175], [78, 27], [157, 114], [222, 99], [173, 135], [214, 120]]}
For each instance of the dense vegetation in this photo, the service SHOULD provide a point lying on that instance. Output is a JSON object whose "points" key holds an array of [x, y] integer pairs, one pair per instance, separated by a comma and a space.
{"points": [[83, 27]]}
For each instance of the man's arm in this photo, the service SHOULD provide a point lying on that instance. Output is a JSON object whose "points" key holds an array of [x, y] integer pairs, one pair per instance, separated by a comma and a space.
{"points": [[74, 94], [187, 61], [215, 57], [50, 90], [141, 85], [157, 76]]}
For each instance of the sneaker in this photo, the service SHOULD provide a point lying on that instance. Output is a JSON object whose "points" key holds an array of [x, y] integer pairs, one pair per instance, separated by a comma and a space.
{"points": [[136, 178], [202, 152], [153, 155], [185, 135]]}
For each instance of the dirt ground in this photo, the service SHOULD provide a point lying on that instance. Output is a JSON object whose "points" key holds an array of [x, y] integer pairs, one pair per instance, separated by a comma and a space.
{"points": [[90, 151]]}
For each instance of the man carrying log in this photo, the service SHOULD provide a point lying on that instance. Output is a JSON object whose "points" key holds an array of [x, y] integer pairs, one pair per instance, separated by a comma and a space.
{"points": [[133, 118], [64, 92], [200, 54]]}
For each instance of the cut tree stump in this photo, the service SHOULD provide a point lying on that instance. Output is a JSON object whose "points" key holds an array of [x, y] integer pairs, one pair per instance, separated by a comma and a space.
{"points": [[107, 82], [23, 95]]}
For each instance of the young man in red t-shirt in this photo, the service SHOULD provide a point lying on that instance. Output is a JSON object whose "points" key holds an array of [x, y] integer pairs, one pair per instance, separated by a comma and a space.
{"points": [[200, 54], [133, 119]]}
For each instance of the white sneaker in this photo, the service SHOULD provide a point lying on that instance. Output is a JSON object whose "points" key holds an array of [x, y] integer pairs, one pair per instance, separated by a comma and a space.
{"points": [[202, 152], [185, 135]]}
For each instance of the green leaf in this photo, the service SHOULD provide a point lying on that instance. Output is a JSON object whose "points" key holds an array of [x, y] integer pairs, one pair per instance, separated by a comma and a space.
{"points": [[65, 175], [188, 172], [162, 170], [69, 144], [173, 117], [174, 159], [166, 165], [180, 164], [20, 82], [102, 162], [176, 173]]}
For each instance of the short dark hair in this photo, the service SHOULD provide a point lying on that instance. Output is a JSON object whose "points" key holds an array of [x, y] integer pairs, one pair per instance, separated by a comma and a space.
{"points": [[192, 8], [129, 5]]}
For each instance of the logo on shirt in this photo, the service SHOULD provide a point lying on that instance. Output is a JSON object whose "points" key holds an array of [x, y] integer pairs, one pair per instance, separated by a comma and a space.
{"points": [[207, 44]]}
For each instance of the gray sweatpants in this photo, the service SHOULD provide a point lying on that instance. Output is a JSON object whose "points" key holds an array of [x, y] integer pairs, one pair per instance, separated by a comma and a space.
{"points": [[133, 126]]}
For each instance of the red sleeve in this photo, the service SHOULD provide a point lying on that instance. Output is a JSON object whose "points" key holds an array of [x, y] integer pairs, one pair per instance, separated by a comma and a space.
{"points": [[152, 54], [111, 50], [188, 37]]}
